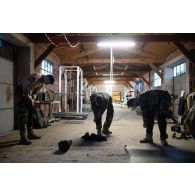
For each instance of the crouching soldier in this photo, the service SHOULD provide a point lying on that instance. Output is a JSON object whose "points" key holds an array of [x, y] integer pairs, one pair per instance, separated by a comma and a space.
{"points": [[154, 103], [100, 102], [26, 91]]}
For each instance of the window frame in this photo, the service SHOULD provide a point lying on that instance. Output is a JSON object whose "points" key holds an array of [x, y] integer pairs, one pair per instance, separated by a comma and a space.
{"points": [[47, 67], [156, 80], [179, 69]]}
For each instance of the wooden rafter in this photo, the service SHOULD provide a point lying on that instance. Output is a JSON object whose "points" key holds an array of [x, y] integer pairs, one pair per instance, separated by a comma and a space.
{"points": [[85, 53], [44, 55], [107, 61], [115, 71], [156, 70], [102, 82], [149, 76], [146, 54], [138, 38], [121, 78], [142, 77], [186, 52], [145, 80], [131, 85]]}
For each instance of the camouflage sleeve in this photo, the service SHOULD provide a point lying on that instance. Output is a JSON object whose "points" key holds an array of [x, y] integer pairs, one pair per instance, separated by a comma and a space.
{"points": [[36, 90], [25, 86]]}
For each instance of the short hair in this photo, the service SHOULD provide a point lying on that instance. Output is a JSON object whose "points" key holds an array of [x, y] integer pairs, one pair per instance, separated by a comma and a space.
{"points": [[51, 78]]}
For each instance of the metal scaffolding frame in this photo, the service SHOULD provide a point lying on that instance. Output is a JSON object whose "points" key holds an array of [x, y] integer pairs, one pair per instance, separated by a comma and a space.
{"points": [[79, 87], [63, 70]]}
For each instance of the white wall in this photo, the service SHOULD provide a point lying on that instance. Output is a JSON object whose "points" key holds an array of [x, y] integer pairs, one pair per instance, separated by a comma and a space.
{"points": [[6, 96]]}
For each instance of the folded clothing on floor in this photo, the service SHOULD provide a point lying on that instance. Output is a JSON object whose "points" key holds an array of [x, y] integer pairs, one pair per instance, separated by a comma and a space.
{"points": [[93, 137]]}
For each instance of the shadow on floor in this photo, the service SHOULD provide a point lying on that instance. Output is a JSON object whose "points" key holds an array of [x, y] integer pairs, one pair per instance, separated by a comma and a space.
{"points": [[159, 154], [84, 143], [9, 143], [58, 152], [73, 122]]}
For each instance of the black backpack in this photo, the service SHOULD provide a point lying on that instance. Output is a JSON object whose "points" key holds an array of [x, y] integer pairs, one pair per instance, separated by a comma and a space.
{"points": [[39, 121]]}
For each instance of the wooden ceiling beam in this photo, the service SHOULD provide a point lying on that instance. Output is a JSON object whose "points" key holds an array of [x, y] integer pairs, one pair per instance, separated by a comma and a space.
{"points": [[186, 52], [107, 61], [131, 85], [96, 38], [116, 79], [102, 83], [146, 54], [114, 71], [44, 55], [143, 78], [85, 53], [129, 77], [156, 70]]}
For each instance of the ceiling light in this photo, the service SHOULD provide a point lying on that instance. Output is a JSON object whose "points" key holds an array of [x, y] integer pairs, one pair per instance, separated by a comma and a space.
{"points": [[105, 75], [109, 82], [116, 44]]}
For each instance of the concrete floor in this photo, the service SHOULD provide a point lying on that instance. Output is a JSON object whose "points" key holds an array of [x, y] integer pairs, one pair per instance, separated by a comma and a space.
{"points": [[127, 130]]}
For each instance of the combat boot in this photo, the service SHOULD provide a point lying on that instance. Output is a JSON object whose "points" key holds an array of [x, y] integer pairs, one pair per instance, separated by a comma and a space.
{"points": [[24, 140], [106, 132], [99, 132], [147, 139], [31, 135], [164, 142]]}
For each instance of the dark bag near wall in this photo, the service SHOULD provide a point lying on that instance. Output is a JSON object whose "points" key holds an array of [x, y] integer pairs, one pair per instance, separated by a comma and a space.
{"points": [[39, 121], [176, 128]]}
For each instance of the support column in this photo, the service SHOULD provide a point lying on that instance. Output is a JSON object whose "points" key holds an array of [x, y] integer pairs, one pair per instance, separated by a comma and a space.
{"points": [[65, 90], [78, 73], [81, 92], [60, 86]]}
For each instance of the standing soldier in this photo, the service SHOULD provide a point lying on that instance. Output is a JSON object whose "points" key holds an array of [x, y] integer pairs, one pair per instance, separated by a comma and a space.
{"points": [[155, 103], [101, 101], [26, 91]]}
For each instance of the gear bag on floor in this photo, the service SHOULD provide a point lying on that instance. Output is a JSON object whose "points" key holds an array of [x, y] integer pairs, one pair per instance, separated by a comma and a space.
{"points": [[39, 121]]}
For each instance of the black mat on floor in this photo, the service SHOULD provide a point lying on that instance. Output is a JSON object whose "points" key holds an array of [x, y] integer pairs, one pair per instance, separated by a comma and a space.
{"points": [[158, 154]]}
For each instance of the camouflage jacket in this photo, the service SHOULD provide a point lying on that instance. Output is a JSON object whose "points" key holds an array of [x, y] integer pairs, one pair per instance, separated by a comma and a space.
{"points": [[105, 101], [155, 100], [31, 84]]}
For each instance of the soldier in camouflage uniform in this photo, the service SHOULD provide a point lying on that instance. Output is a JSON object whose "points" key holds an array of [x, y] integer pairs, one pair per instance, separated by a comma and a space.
{"points": [[99, 103], [26, 91], [155, 103]]}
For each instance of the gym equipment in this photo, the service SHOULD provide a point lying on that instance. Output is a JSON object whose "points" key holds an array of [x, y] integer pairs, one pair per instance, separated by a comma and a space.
{"points": [[72, 94]]}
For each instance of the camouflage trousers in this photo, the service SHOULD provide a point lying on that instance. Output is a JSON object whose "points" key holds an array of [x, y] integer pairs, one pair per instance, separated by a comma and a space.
{"points": [[24, 114], [148, 118], [109, 116]]}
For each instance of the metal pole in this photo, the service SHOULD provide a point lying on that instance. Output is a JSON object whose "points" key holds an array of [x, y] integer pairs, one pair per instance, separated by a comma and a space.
{"points": [[78, 89], [65, 90], [81, 92], [111, 70], [60, 85]]}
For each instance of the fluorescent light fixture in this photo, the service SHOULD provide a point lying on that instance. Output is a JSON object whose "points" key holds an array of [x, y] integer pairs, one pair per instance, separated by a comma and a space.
{"points": [[116, 44], [105, 75], [109, 82]]}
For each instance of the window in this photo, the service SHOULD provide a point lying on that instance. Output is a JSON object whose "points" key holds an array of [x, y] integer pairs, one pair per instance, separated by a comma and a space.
{"points": [[179, 69], [156, 80], [46, 67]]}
